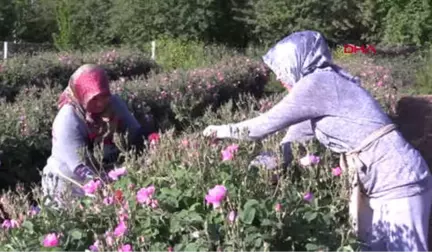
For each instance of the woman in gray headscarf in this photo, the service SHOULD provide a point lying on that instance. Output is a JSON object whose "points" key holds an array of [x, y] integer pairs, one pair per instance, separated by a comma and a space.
{"points": [[390, 203]]}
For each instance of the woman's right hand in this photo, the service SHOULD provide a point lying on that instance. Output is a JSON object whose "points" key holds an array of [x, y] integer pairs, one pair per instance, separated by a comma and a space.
{"points": [[84, 173], [219, 131]]}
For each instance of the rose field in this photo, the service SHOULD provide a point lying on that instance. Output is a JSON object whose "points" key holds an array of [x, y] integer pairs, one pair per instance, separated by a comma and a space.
{"points": [[186, 192]]}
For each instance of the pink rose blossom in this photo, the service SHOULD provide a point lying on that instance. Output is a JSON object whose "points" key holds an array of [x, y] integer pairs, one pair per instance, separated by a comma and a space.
{"points": [[233, 148], [278, 207], [144, 195], [308, 196], [125, 248], [216, 195], [91, 187], [227, 155], [108, 200], [232, 216], [154, 138], [95, 246], [8, 224], [185, 143], [123, 216], [154, 203], [50, 240], [116, 173], [337, 171], [228, 152], [121, 229], [109, 239]]}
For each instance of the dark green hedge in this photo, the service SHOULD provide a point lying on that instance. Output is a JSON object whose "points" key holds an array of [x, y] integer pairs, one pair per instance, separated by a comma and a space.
{"points": [[22, 72]]}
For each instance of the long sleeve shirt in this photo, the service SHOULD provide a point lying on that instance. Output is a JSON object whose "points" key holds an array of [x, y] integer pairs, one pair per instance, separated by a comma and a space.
{"points": [[70, 137], [341, 114]]}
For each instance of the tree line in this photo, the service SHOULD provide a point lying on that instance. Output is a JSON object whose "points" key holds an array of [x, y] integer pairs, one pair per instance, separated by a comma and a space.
{"points": [[81, 24]]}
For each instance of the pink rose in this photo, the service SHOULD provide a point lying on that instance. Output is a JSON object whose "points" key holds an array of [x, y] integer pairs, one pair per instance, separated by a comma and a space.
{"points": [[216, 195], [116, 173], [50, 240]]}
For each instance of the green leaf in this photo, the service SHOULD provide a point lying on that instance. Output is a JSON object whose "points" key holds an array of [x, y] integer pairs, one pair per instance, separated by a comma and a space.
{"points": [[191, 247], [251, 238], [194, 217], [158, 247], [310, 216], [76, 234], [175, 225], [347, 248], [266, 223], [250, 203], [194, 206], [172, 192], [248, 215], [312, 247], [87, 201], [50, 249], [179, 247], [28, 225], [258, 242]]}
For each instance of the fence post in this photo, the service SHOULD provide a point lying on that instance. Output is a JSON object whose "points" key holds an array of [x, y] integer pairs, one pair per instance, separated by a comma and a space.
{"points": [[153, 50], [5, 50]]}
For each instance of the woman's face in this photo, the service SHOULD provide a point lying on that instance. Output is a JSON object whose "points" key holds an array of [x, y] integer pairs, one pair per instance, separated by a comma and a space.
{"points": [[98, 104]]}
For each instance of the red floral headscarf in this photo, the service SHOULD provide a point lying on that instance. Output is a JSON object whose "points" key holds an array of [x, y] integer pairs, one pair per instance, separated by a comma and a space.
{"points": [[85, 83]]}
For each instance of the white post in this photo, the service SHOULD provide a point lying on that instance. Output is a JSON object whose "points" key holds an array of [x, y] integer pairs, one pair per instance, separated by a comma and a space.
{"points": [[153, 50], [5, 50]]}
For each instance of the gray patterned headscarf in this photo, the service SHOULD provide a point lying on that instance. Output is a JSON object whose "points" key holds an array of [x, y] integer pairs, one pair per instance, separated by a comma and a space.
{"points": [[300, 54]]}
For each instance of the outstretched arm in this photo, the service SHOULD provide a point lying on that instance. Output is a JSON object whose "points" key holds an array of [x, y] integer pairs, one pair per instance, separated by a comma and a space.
{"points": [[306, 101]]}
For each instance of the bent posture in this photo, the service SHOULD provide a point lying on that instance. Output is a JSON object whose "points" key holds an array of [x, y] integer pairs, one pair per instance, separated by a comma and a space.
{"points": [[88, 114], [394, 183]]}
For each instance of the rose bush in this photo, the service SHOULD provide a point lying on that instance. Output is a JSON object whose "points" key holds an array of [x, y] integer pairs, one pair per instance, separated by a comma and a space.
{"points": [[187, 192], [183, 195], [56, 68], [167, 99], [378, 79]]}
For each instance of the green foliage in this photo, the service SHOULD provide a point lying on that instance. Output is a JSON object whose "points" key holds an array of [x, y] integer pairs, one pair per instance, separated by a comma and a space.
{"points": [[184, 165], [174, 99], [7, 17], [270, 21], [82, 24], [22, 20], [182, 169], [408, 22], [187, 54], [92, 23], [423, 78], [64, 39]]}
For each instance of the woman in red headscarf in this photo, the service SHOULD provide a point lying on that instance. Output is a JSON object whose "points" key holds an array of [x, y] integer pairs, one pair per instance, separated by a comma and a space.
{"points": [[88, 114]]}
